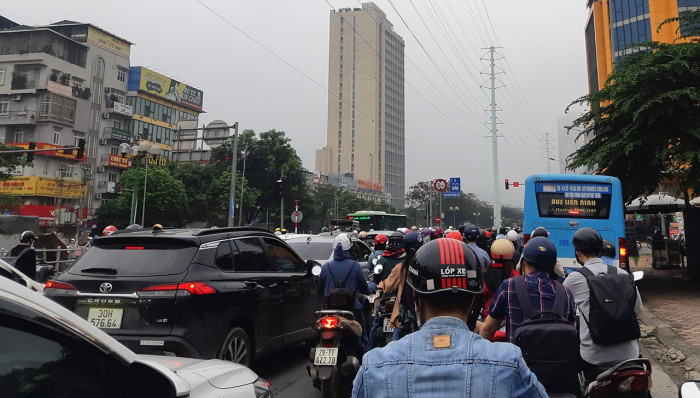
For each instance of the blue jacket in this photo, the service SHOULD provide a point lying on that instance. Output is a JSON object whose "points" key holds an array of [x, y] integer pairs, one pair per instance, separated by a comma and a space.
{"points": [[341, 265], [463, 365]]}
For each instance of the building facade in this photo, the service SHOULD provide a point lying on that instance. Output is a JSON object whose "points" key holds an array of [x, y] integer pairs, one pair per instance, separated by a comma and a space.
{"points": [[614, 25], [366, 131]]}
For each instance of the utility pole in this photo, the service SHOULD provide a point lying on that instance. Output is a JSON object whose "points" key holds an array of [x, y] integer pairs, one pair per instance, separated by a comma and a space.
{"points": [[233, 174], [494, 144], [281, 181], [546, 149]]}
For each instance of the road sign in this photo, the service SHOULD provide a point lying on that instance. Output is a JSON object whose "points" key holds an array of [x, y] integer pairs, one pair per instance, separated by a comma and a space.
{"points": [[297, 216], [437, 219], [440, 185], [450, 194], [455, 184]]}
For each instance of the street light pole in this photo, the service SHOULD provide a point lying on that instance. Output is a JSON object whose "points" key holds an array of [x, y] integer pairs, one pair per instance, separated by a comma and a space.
{"points": [[240, 202], [233, 174], [153, 150]]}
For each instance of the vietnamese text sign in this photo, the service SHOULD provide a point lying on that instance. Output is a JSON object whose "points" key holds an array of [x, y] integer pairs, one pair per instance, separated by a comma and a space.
{"points": [[170, 89], [108, 42]]}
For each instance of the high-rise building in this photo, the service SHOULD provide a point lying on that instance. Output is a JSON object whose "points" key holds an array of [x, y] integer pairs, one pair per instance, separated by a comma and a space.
{"points": [[366, 132], [614, 25]]}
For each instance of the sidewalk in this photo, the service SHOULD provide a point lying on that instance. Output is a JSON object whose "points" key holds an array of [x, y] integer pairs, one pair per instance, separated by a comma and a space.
{"points": [[671, 319]]}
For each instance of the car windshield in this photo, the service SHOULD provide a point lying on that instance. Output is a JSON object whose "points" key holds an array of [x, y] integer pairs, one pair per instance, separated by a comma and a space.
{"points": [[319, 250], [136, 258]]}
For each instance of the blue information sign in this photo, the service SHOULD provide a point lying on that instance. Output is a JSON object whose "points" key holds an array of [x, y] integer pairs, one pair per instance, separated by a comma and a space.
{"points": [[455, 184]]}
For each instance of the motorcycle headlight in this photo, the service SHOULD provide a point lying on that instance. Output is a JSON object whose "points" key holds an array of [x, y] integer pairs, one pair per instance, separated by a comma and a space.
{"points": [[262, 388]]}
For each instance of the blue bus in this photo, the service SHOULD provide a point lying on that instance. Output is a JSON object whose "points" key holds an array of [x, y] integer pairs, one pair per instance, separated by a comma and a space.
{"points": [[564, 203]]}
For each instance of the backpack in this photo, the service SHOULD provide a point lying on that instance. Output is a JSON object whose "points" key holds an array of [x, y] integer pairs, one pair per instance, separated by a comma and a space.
{"points": [[611, 313], [549, 343], [341, 298]]}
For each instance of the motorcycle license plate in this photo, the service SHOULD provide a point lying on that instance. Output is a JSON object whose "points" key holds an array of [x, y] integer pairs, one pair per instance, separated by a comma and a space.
{"points": [[387, 326], [106, 318], [326, 356]]}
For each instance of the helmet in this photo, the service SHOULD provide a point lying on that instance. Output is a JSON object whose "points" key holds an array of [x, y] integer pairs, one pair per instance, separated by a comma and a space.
{"points": [[324, 229], [434, 234], [108, 230], [284, 230], [412, 240], [502, 230], [425, 231], [502, 249], [343, 240], [445, 265], [362, 235], [157, 227], [471, 232], [395, 240], [439, 231], [587, 239], [512, 236], [454, 235], [541, 252], [380, 239], [27, 236], [277, 229], [278, 233], [608, 249], [136, 226], [539, 231], [414, 228]]}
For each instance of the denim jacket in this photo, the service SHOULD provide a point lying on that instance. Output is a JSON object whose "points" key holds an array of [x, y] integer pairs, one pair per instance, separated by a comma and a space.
{"points": [[463, 365]]}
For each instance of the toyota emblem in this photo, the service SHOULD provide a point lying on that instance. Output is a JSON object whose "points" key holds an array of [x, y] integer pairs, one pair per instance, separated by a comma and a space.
{"points": [[106, 287]]}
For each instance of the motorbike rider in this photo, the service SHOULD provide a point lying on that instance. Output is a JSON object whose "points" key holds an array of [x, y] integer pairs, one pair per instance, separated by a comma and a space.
{"points": [[393, 254], [588, 245], [443, 358], [343, 268], [471, 234], [379, 246], [539, 258], [500, 269], [25, 253], [109, 230], [607, 255]]}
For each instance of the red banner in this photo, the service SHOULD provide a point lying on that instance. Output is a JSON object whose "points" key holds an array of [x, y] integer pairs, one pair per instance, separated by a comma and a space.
{"points": [[370, 186], [118, 161]]}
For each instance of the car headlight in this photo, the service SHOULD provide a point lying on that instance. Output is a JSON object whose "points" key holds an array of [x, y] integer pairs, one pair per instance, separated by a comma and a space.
{"points": [[262, 388]]}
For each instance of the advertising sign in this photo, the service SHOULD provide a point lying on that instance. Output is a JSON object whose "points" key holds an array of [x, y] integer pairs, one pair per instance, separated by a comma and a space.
{"points": [[41, 186], [123, 109], [118, 161], [170, 89], [370, 186], [108, 42]]}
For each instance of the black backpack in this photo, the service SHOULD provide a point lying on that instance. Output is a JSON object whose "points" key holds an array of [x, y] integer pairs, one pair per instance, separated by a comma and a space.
{"points": [[341, 298], [549, 343], [611, 317]]}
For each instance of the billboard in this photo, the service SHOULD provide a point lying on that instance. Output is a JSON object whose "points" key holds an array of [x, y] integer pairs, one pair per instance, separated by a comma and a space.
{"points": [[41, 186], [108, 42], [162, 86]]}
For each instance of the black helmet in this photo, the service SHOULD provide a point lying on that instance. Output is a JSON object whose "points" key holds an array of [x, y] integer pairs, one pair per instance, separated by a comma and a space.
{"points": [[471, 232], [539, 231], [27, 236], [395, 241], [540, 252], [445, 265], [587, 239], [502, 230], [608, 249], [412, 240]]}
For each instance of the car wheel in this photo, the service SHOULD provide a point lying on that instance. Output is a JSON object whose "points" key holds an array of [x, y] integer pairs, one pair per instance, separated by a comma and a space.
{"points": [[236, 347]]}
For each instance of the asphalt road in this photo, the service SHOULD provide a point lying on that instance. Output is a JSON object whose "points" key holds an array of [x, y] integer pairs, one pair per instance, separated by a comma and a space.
{"points": [[286, 372]]}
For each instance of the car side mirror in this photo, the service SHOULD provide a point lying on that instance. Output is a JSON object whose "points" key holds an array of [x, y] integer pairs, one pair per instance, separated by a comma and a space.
{"points": [[689, 389]]}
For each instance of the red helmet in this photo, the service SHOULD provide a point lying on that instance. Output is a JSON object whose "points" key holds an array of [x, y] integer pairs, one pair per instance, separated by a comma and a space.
{"points": [[379, 239], [454, 235], [108, 230]]}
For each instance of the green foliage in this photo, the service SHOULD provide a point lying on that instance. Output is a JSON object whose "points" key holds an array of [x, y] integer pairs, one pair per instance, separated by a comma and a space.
{"points": [[10, 161], [645, 122]]}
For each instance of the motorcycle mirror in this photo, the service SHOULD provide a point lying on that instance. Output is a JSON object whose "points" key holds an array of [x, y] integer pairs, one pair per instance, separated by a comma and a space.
{"points": [[316, 270], [637, 275], [378, 269], [690, 389]]}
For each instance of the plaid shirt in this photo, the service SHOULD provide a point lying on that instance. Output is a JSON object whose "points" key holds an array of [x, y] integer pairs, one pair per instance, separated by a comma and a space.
{"points": [[541, 292]]}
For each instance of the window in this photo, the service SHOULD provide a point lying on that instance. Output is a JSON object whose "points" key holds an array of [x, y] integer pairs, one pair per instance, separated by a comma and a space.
{"points": [[2, 76], [19, 136], [112, 177], [56, 136], [224, 256], [121, 74], [4, 106], [252, 256], [281, 258]]}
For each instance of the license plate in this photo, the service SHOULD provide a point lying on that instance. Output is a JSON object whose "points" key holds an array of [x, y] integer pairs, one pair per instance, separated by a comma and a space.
{"points": [[388, 328], [326, 356], [106, 318]]}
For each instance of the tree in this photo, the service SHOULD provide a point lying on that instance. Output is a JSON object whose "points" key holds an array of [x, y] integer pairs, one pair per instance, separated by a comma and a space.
{"points": [[10, 161]]}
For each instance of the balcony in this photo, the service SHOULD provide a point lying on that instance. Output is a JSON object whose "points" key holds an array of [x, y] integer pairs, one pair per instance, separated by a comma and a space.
{"points": [[18, 118]]}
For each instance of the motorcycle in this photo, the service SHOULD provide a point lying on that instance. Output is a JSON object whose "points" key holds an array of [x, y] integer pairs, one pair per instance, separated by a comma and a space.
{"points": [[631, 378], [335, 357], [384, 333]]}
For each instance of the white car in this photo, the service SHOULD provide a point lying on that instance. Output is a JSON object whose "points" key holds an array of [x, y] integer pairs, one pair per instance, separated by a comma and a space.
{"points": [[46, 350], [10, 272]]}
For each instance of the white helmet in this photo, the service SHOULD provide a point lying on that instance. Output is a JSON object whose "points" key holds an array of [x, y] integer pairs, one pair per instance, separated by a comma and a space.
{"points": [[512, 236]]}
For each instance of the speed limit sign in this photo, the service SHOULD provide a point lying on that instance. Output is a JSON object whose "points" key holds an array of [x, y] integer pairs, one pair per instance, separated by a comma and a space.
{"points": [[440, 185]]}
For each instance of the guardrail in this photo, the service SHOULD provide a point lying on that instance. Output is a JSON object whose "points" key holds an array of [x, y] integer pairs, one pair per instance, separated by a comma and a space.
{"points": [[59, 258]]}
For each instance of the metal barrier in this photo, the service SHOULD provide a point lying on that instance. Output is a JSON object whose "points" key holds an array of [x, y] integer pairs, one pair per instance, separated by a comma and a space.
{"points": [[59, 258]]}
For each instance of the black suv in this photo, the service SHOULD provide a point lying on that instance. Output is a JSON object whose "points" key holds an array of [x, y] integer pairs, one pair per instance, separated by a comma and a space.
{"points": [[228, 293]]}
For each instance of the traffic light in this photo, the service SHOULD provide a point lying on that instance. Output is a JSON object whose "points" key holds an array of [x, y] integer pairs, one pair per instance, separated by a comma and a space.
{"points": [[30, 155], [507, 186], [68, 150], [81, 149], [516, 184]]}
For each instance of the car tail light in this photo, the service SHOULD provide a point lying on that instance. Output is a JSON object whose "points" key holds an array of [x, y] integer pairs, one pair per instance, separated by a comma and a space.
{"points": [[329, 322], [54, 287], [177, 289], [133, 248], [623, 253]]}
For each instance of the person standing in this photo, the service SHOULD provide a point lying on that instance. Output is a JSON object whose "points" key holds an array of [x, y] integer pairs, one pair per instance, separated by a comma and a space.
{"points": [[26, 255]]}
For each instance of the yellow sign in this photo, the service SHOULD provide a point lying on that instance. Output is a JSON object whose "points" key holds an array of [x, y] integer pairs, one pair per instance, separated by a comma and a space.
{"points": [[108, 42], [170, 89], [41, 186]]}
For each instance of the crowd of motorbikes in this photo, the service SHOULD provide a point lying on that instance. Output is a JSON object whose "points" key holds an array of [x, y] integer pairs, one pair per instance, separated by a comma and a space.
{"points": [[336, 354]]}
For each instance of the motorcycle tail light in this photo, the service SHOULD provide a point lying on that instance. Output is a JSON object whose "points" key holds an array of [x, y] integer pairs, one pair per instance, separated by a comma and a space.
{"points": [[622, 244], [327, 338], [329, 322], [635, 383]]}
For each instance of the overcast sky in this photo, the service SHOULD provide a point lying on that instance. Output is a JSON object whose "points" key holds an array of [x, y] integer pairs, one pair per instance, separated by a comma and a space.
{"points": [[280, 81]]}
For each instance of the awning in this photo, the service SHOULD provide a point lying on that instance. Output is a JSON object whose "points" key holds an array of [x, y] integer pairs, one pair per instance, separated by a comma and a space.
{"points": [[657, 203]]}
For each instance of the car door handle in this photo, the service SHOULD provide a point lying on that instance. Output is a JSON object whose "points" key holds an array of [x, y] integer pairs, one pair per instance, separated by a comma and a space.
{"points": [[251, 284]]}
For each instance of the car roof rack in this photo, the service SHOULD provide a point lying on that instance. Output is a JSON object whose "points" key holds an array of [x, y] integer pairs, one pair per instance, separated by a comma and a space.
{"points": [[212, 231]]}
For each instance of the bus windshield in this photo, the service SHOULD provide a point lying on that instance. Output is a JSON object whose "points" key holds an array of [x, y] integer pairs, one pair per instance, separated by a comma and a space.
{"points": [[570, 199]]}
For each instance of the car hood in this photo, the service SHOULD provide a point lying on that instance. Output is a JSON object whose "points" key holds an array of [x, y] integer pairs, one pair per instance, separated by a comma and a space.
{"points": [[218, 373]]}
